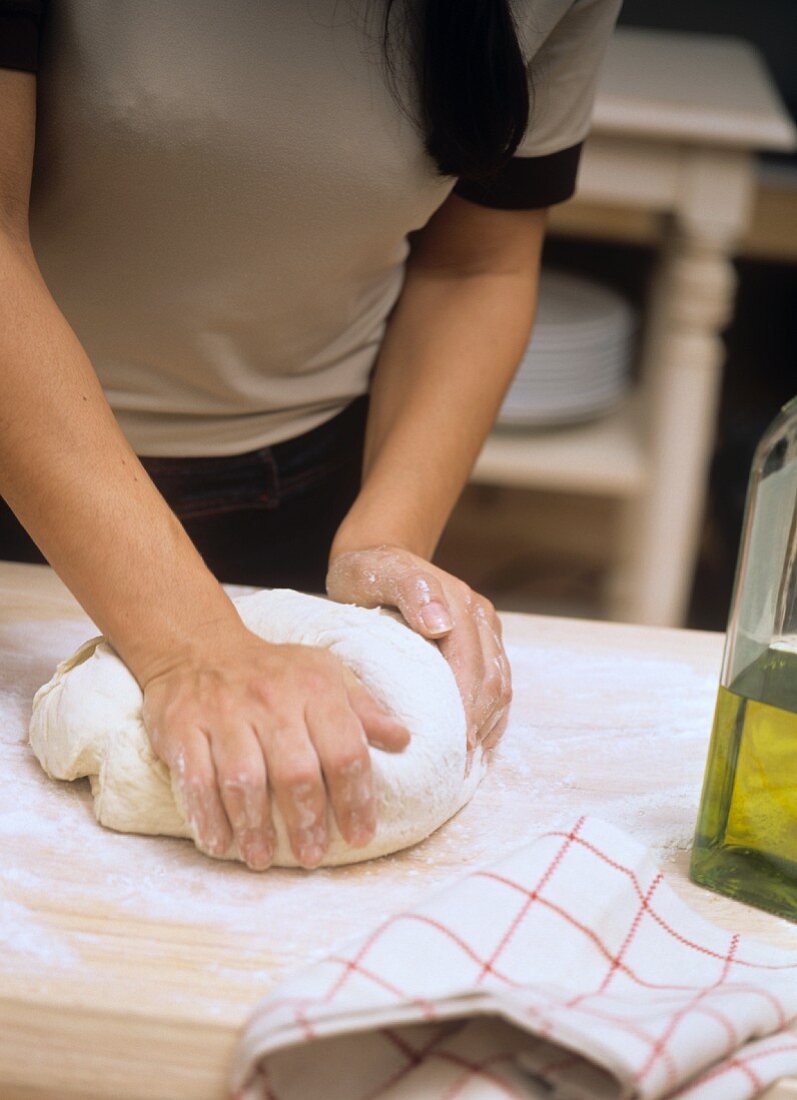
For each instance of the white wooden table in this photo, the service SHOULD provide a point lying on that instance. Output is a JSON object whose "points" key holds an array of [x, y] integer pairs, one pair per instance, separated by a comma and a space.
{"points": [[128, 964], [678, 120]]}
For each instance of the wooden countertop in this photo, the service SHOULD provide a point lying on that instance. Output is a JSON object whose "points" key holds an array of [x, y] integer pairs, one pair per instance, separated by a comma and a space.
{"points": [[128, 964]]}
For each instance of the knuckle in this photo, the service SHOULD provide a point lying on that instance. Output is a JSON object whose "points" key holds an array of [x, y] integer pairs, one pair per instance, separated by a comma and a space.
{"points": [[197, 784], [320, 669], [242, 779], [352, 777], [482, 610], [504, 668], [493, 683], [414, 585], [174, 716], [316, 681], [299, 776], [350, 762], [260, 691]]}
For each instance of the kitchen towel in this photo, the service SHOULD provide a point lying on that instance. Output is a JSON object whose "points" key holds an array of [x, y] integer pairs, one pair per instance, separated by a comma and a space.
{"points": [[568, 969]]}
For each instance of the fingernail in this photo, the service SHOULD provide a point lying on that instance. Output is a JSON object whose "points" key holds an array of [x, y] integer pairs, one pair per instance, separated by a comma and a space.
{"points": [[259, 856], [216, 845], [310, 855], [436, 618], [255, 850]]}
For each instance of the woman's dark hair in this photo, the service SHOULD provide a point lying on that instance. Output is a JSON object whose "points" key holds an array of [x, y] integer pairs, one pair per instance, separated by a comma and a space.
{"points": [[472, 82]]}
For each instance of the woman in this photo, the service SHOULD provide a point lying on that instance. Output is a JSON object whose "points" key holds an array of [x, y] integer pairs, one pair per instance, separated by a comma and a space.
{"points": [[262, 289]]}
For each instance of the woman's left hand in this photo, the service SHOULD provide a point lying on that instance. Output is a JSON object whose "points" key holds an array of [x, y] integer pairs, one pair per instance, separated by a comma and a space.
{"points": [[444, 609]]}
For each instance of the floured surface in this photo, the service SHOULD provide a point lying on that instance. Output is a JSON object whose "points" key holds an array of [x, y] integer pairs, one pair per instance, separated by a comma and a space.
{"points": [[607, 720]]}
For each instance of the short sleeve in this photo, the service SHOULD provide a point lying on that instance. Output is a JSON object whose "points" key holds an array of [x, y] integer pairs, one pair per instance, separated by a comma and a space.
{"points": [[20, 23], [563, 69]]}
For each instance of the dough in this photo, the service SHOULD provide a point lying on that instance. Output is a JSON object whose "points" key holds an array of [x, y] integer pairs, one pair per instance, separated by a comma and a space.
{"points": [[87, 721]]}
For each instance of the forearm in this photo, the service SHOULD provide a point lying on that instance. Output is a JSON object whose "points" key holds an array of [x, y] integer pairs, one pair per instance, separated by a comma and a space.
{"points": [[450, 350], [76, 485]]}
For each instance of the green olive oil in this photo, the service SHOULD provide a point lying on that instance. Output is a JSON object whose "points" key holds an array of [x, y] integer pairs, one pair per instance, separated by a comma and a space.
{"points": [[746, 839]]}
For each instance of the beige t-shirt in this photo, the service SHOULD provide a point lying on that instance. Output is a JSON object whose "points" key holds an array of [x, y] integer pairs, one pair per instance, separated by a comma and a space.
{"points": [[222, 194]]}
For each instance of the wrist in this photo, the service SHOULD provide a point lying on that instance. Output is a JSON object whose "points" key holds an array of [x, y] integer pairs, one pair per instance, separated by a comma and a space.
{"points": [[180, 637], [359, 540], [367, 528]]}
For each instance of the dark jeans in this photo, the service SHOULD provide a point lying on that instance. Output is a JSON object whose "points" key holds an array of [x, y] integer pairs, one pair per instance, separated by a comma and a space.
{"points": [[265, 518]]}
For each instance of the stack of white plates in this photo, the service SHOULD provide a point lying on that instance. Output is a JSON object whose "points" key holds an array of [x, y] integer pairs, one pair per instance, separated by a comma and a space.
{"points": [[578, 362]]}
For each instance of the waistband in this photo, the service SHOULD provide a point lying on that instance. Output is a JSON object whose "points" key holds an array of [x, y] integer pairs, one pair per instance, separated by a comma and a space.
{"points": [[336, 434]]}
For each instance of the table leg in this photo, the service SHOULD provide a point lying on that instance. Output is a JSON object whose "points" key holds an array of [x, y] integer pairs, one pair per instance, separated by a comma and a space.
{"points": [[690, 301]]}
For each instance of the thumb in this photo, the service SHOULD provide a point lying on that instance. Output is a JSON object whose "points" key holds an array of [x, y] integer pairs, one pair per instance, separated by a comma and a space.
{"points": [[422, 602], [382, 729], [386, 576]]}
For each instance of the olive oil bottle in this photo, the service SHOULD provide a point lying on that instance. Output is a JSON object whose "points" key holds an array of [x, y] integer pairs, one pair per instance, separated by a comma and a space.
{"points": [[746, 843], [746, 837]]}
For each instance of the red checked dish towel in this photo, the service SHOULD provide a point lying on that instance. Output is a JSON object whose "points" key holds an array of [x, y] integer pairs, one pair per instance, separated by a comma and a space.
{"points": [[567, 970]]}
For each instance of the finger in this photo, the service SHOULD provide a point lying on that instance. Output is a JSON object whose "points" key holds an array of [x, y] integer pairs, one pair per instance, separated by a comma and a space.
{"points": [[388, 576], [496, 688], [462, 648], [420, 598], [298, 788], [494, 735], [241, 773], [342, 750], [382, 729], [192, 765]]}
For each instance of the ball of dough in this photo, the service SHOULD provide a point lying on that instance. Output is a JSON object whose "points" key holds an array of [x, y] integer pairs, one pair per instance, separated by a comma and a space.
{"points": [[87, 722]]}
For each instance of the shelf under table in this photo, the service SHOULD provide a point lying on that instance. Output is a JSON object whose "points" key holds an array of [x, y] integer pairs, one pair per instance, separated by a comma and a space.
{"points": [[603, 457]]}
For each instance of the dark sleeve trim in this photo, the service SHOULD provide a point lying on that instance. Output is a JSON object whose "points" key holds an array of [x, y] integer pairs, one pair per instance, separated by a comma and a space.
{"points": [[525, 183], [19, 36]]}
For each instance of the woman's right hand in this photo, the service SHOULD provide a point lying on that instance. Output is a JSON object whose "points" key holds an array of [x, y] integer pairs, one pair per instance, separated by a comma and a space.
{"points": [[238, 720]]}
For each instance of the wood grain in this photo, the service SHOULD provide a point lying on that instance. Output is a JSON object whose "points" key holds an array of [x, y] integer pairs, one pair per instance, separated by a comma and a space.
{"points": [[130, 963]]}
